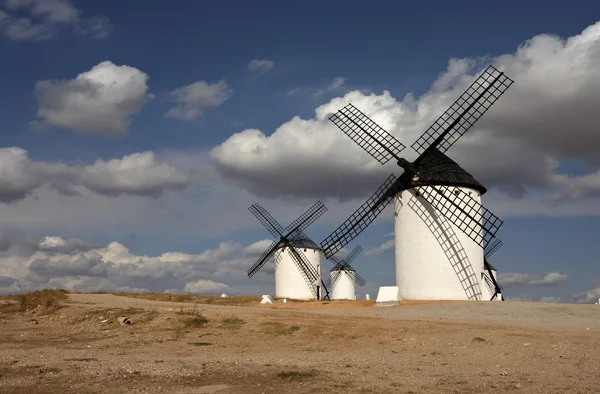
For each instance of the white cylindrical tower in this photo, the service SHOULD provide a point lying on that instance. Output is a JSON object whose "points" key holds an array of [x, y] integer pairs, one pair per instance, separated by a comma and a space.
{"points": [[290, 282], [435, 259], [343, 284]]}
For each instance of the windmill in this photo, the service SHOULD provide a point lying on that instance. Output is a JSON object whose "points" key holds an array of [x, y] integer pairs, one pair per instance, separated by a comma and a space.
{"points": [[297, 257], [343, 278], [438, 213], [491, 277]]}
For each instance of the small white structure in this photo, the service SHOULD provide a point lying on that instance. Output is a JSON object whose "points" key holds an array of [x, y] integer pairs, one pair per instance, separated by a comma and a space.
{"points": [[224, 295], [343, 283], [290, 282], [436, 260], [388, 295], [267, 299], [367, 297]]}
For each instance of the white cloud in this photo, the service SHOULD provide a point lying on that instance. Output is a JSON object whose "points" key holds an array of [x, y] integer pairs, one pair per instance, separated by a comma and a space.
{"points": [[204, 286], [336, 83], [100, 101], [140, 174], [136, 174], [260, 66], [191, 99], [547, 117], [384, 247], [41, 20], [587, 297], [50, 262], [551, 278]]}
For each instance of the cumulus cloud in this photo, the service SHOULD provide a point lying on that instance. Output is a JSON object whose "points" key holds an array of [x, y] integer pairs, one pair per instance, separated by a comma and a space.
{"points": [[140, 174], [204, 286], [75, 265], [100, 101], [192, 99], [260, 66], [41, 20], [587, 297], [547, 117], [137, 174], [551, 278], [384, 247]]}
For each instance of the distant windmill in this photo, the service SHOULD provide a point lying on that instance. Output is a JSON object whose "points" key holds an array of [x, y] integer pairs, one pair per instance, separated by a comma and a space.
{"points": [[297, 257], [440, 224], [343, 278], [491, 277]]}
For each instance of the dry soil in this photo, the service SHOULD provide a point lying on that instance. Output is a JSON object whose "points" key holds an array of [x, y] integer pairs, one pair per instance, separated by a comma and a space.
{"points": [[316, 347]]}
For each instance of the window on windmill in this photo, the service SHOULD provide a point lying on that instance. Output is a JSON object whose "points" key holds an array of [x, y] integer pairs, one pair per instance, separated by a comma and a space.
{"points": [[456, 192], [305, 249]]}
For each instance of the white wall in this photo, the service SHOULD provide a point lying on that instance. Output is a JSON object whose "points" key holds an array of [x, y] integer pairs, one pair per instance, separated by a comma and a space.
{"points": [[344, 287], [434, 258], [289, 282]]}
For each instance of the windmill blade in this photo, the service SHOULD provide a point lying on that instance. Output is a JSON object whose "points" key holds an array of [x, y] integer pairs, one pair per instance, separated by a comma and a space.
{"points": [[355, 252], [465, 111], [307, 218], [367, 134], [335, 277], [327, 283], [263, 258], [326, 289], [360, 219], [462, 210], [267, 220], [337, 261], [359, 279], [492, 247], [307, 271], [490, 276]]}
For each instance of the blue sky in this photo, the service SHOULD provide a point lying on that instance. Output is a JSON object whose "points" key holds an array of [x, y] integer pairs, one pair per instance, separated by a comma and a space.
{"points": [[371, 47]]}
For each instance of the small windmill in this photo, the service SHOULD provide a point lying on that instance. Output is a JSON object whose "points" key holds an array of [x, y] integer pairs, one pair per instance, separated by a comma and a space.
{"points": [[343, 278], [491, 277], [434, 195], [297, 257]]}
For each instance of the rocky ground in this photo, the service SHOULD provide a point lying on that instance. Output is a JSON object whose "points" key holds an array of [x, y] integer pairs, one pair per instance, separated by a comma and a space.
{"points": [[318, 347]]}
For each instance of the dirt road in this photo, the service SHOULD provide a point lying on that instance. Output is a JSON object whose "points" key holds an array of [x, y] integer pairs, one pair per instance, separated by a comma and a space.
{"points": [[445, 347]]}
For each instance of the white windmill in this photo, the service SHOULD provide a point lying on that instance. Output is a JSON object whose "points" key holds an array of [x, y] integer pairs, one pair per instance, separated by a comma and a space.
{"points": [[343, 278], [440, 226], [297, 257]]}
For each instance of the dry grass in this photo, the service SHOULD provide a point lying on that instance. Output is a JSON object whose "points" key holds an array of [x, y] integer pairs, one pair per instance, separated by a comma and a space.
{"points": [[200, 343], [193, 298], [277, 328], [296, 375], [49, 299], [196, 321], [232, 323]]}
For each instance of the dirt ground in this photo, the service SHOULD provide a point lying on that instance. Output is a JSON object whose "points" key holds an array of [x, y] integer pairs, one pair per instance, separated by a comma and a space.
{"points": [[316, 347]]}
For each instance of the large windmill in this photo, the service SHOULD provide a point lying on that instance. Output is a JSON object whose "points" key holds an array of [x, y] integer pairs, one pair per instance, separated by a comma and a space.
{"points": [[491, 277], [343, 278], [297, 257], [440, 225]]}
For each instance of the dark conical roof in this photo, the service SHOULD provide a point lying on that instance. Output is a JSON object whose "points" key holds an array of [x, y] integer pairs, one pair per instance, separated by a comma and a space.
{"points": [[339, 267], [302, 240], [439, 169]]}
